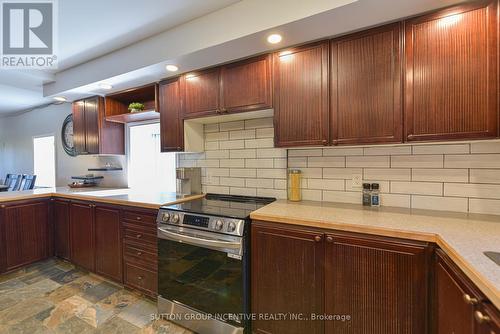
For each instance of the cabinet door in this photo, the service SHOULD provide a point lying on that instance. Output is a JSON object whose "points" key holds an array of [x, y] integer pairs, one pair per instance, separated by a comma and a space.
{"points": [[301, 96], [61, 228], [79, 135], [171, 124], [108, 243], [111, 134], [287, 276], [366, 87], [82, 235], [201, 93], [92, 125], [246, 85], [380, 283], [455, 298], [451, 73], [26, 233]]}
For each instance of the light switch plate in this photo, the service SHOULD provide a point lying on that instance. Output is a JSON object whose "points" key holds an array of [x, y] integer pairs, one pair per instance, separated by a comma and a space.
{"points": [[357, 180]]}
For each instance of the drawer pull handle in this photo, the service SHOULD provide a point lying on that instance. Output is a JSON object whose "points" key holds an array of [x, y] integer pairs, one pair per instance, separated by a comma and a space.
{"points": [[329, 239], [317, 238], [138, 236], [480, 317], [138, 218], [139, 278], [139, 253], [470, 300]]}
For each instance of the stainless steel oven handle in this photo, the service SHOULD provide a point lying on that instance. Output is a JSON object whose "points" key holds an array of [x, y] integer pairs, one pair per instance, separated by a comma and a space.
{"points": [[199, 241]]}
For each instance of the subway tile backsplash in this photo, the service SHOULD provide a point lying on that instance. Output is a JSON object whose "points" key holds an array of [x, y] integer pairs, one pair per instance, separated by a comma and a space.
{"points": [[240, 159]]}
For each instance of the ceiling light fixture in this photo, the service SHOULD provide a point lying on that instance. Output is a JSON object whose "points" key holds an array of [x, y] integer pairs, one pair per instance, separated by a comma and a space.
{"points": [[60, 98], [274, 38], [172, 68], [105, 86]]}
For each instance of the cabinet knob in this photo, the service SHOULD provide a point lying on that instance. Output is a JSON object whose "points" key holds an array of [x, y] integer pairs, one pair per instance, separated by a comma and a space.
{"points": [[480, 317], [317, 238], [139, 253], [138, 218], [329, 239], [139, 278], [138, 236], [470, 300]]}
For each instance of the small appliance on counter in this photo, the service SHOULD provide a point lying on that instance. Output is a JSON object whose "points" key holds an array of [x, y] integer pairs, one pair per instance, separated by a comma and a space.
{"points": [[85, 181], [203, 262], [188, 181]]}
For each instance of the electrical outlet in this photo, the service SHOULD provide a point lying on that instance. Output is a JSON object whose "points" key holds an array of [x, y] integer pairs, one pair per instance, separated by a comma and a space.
{"points": [[357, 180]]}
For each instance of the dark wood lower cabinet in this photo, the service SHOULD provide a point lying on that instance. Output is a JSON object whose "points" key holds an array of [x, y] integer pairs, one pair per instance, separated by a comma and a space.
{"points": [[60, 209], [459, 306], [140, 249], [82, 235], [368, 284], [25, 233], [108, 243], [287, 277], [381, 283]]}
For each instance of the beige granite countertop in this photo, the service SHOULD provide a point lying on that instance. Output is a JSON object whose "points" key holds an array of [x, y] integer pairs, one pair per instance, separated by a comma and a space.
{"points": [[463, 237], [119, 196]]}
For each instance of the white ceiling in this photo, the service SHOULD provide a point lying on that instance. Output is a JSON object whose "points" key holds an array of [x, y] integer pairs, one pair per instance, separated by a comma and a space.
{"points": [[92, 28], [128, 42]]}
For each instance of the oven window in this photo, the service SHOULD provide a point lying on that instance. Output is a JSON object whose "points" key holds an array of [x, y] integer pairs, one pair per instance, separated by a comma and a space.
{"points": [[200, 278]]}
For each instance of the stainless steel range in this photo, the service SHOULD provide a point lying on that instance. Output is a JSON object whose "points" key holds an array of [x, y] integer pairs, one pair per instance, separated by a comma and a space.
{"points": [[203, 265]]}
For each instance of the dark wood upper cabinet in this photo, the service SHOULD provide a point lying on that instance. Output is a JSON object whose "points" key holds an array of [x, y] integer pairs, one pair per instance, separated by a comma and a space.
{"points": [[25, 233], [171, 123], [108, 243], [92, 133], [301, 98], [60, 211], [287, 276], [246, 85], [382, 283], [365, 87], [201, 93], [92, 125], [451, 85], [237, 87], [82, 235]]}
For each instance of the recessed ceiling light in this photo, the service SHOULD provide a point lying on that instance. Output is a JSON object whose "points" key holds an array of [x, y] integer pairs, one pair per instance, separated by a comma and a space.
{"points": [[105, 86], [60, 98], [172, 68], [274, 38]]}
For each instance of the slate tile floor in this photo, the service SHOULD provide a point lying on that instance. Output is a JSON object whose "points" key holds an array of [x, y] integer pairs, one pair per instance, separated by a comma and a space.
{"points": [[53, 297]]}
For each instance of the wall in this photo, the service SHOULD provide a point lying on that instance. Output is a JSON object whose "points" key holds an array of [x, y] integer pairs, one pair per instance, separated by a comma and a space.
{"points": [[239, 159], [16, 147]]}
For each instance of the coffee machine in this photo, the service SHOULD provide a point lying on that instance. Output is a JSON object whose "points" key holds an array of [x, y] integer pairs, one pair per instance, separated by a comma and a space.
{"points": [[188, 181]]}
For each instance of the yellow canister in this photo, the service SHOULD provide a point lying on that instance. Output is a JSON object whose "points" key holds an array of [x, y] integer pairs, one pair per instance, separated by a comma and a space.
{"points": [[294, 185]]}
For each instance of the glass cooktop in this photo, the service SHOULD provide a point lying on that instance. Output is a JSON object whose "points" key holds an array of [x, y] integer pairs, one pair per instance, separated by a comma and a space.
{"points": [[230, 206]]}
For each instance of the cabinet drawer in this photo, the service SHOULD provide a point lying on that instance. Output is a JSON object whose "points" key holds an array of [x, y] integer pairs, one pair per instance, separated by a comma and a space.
{"points": [[142, 279], [140, 236], [140, 217], [139, 253], [149, 229]]}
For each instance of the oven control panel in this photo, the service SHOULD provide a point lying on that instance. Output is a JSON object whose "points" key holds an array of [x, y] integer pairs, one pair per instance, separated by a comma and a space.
{"points": [[210, 223]]}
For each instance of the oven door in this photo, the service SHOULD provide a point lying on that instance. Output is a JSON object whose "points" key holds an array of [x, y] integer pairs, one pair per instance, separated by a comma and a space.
{"points": [[202, 270]]}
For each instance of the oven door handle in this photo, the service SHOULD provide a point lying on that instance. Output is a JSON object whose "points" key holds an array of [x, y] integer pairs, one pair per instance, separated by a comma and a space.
{"points": [[199, 241]]}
